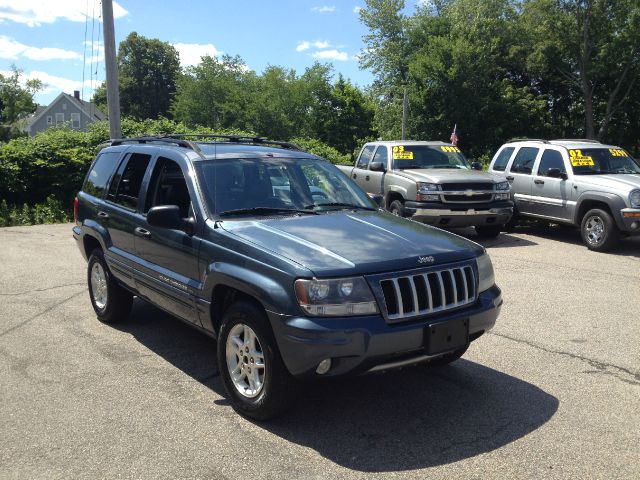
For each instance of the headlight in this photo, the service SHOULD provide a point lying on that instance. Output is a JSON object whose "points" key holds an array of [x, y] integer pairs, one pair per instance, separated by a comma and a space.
{"points": [[425, 192], [502, 186], [486, 278], [336, 297], [634, 199]]}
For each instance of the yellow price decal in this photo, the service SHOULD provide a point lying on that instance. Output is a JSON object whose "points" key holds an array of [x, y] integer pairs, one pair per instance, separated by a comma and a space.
{"points": [[579, 160], [449, 149], [617, 152], [400, 154]]}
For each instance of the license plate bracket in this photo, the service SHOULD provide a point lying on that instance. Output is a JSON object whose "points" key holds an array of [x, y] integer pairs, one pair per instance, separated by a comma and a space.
{"points": [[446, 336]]}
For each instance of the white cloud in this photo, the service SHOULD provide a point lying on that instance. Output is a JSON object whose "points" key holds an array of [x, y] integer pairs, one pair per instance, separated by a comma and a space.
{"points": [[321, 44], [357, 9], [11, 50], [318, 44], [192, 53], [302, 46], [36, 12], [324, 9], [331, 55], [54, 84]]}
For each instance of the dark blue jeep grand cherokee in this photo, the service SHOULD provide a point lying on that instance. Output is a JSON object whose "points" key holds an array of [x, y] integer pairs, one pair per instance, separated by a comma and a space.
{"points": [[281, 257]]}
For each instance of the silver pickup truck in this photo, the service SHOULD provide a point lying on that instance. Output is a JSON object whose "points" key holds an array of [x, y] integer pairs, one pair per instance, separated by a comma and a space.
{"points": [[432, 182]]}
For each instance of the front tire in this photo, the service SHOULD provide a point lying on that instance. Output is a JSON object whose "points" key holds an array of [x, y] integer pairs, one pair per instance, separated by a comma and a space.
{"points": [[488, 231], [397, 208], [599, 231], [110, 301], [253, 373]]}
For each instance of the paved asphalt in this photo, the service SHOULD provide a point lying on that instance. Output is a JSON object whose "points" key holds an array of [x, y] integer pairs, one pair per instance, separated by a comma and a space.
{"points": [[552, 392]]}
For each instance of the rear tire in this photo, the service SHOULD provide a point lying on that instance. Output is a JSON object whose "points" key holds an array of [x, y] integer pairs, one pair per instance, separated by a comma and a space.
{"points": [[397, 208], [254, 376], [488, 231], [599, 231], [111, 302]]}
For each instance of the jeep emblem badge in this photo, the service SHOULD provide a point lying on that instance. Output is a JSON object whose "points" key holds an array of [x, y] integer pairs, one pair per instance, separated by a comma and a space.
{"points": [[428, 259]]}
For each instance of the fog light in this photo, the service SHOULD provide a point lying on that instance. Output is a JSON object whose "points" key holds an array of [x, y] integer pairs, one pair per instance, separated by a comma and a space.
{"points": [[323, 366]]}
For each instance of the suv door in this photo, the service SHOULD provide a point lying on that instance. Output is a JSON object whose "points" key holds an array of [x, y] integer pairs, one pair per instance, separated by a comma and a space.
{"points": [[519, 174], [168, 269], [373, 180], [120, 214], [551, 197], [361, 169]]}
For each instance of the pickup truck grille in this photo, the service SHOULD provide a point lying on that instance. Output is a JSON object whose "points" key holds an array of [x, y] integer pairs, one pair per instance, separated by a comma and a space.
{"points": [[467, 192], [426, 293]]}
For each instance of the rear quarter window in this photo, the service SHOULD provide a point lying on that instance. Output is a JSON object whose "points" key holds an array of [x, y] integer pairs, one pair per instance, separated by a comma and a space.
{"points": [[100, 173]]}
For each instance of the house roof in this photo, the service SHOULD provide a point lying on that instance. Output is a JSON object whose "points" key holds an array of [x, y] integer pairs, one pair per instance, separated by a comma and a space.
{"points": [[88, 108]]}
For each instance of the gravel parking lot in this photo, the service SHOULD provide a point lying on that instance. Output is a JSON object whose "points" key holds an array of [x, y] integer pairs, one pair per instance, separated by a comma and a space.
{"points": [[552, 392]]}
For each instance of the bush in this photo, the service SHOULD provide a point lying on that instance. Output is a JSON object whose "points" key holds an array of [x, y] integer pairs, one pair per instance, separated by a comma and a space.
{"points": [[51, 211], [322, 150]]}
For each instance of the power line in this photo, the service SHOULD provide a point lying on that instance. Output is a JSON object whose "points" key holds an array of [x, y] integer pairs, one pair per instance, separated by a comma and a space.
{"points": [[84, 54]]}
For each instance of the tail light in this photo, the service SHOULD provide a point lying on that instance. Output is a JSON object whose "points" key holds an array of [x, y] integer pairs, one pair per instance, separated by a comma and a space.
{"points": [[75, 209]]}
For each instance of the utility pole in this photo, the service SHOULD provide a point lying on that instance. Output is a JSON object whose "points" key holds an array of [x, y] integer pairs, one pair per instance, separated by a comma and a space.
{"points": [[113, 88], [405, 105]]}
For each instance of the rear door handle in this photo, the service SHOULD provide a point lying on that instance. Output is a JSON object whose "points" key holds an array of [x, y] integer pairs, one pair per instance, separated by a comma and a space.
{"points": [[538, 182], [510, 178], [367, 178], [355, 175], [141, 232], [102, 214]]}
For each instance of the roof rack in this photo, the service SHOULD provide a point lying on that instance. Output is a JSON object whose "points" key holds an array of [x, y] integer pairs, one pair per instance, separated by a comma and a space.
{"points": [[528, 140], [236, 139], [161, 139], [581, 140]]}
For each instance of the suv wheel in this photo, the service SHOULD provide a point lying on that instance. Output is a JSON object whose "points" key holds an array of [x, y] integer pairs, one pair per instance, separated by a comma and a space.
{"points": [[599, 231], [488, 231], [111, 302], [254, 376], [397, 208]]}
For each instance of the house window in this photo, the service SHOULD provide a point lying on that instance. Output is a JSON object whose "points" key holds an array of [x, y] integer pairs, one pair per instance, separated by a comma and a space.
{"points": [[64, 106], [49, 120], [75, 120], [59, 118]]}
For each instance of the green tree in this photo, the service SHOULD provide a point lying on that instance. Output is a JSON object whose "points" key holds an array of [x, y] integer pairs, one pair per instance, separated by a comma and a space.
{"points": [[148, 70], [16, 100]]}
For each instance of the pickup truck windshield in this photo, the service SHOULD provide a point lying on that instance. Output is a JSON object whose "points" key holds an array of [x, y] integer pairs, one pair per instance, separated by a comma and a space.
{"points": [[422, 156], [277, 186], [600, 161]]}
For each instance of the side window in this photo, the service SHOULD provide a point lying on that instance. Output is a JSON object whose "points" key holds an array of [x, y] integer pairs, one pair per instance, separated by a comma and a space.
{"points": [[525, 158], [168, 187], [125, 186], [551, 159], [365, 156], [100, 173], [503, 158], [381, 155]]}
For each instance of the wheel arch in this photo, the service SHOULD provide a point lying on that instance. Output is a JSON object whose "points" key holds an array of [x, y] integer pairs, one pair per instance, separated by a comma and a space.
{"points": [[611, 203]]}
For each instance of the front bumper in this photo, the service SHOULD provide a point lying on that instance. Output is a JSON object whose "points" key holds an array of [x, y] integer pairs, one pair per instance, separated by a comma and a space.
{"points": [[460, 215], [630, 218], [361, 344]]}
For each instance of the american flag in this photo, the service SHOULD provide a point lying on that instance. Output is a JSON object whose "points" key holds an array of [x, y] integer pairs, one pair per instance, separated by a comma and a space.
{"points": [[454, 136]]}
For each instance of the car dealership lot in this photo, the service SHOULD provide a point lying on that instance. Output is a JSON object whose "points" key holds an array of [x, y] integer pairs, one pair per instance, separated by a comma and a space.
{"points": [[552, 392]]}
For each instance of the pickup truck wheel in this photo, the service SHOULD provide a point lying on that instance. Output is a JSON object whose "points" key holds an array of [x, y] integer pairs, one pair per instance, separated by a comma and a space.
{"points": [[111, 302], [448, 358], [488, 231], [254, 376], [397, 208], [599, 231]]}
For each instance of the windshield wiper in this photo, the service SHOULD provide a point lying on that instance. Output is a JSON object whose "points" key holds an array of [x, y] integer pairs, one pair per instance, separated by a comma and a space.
{"points": [[595, 172], [338, 204], [264, 211]]}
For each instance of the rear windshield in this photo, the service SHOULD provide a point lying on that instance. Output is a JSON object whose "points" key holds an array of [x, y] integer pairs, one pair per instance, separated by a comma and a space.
{"points": [[422, 156], [600, 161]]}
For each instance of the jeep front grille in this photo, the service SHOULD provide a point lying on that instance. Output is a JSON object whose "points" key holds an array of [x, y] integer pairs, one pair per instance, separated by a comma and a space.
{"points": [[426, 293]]}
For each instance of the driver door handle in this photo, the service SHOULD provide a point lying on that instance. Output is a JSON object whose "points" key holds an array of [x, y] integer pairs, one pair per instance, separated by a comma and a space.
{"points": [[538, 182], [102, 214], [510, 178], [367, 178], [141, 232], [355, 175]]}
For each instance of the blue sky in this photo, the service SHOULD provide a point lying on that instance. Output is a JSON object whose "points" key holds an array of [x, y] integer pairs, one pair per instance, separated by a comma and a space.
{"points": [[46, 38]]}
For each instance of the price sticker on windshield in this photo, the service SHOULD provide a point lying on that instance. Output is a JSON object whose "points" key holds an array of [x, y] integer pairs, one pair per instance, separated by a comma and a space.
{"points": [[400, 154], [450, 149], [617, 152], [579, 160]]}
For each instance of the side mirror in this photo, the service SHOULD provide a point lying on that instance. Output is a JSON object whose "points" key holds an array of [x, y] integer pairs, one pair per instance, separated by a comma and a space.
{"points": [[556, 173], [377, 167], [379, 199], [168, 216], [476, 166]]}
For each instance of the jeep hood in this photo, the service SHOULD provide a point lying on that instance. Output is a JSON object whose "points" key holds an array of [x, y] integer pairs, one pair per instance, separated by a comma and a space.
{"points": [[353, 243], [446, 175], [622, 182]]}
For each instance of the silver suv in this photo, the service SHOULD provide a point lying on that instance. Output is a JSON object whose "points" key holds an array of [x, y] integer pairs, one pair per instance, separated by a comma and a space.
{"points": [[577, 182]]}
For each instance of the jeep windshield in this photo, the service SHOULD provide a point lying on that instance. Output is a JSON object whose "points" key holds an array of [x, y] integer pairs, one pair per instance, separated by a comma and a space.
{"points": [[277, 186], [601, 161], [407, 157]]}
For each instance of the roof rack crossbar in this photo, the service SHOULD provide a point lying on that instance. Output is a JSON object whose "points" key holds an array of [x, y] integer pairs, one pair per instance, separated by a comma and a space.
{"points": [[528, 140], [582, 140], [150, 139], [236, 139]]}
